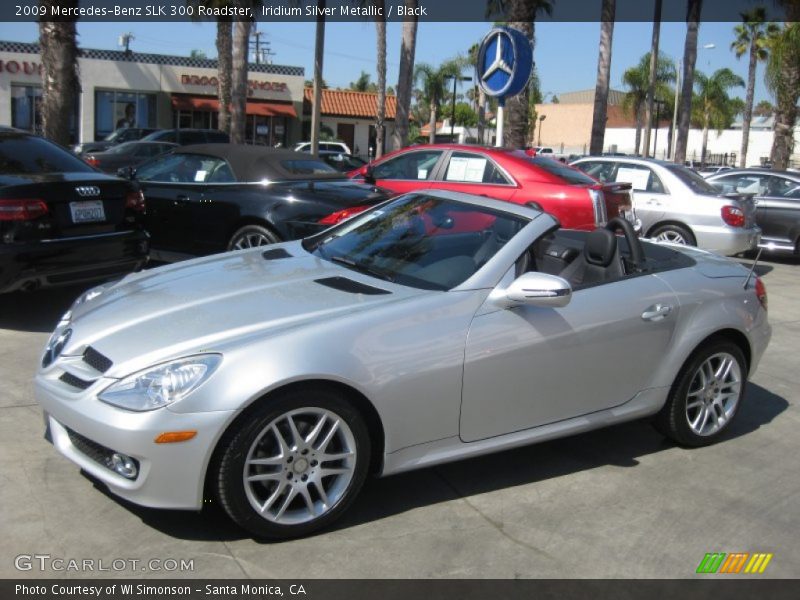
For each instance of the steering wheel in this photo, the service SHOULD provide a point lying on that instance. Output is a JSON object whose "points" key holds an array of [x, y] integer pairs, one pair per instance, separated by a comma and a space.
{"points": [[634, 243]]}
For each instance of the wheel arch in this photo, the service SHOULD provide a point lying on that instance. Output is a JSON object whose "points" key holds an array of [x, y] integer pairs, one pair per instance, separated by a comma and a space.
{"points": [[359, 401], [729, 334]]}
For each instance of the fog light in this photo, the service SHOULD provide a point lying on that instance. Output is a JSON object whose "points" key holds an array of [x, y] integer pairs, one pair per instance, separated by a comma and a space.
{"points": [[124, 465]]}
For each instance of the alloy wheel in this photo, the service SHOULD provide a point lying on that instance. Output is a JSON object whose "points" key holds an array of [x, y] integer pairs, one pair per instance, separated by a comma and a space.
{"points": [[671, 236], [300, 466], [713, 394], [250, 240]]}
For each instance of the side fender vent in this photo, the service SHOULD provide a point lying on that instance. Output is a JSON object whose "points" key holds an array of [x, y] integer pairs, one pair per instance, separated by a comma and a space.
{"points": [[275, 254], [344, 284]]}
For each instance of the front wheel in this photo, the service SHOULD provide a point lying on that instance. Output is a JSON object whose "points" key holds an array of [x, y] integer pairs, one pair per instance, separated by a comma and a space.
{"points": [[252, 236], [295, 465], [675, 234], [706, 395]]}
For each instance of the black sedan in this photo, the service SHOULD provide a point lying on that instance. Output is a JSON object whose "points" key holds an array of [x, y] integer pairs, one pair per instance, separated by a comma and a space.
{"points": [[129, 154], [215, 197], [342, 162], [62, 222], [119, 136]]}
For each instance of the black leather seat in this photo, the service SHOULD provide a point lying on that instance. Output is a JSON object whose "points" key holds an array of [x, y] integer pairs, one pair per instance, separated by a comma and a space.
{"points": [[600, 260]]}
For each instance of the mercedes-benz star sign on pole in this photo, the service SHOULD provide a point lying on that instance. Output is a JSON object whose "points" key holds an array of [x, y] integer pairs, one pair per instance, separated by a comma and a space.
{"points": [[505, 61]]}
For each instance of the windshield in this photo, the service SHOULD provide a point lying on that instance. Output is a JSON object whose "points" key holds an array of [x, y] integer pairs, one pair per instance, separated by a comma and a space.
{"points": [[124, 148], [418, 240], [697, 184]]}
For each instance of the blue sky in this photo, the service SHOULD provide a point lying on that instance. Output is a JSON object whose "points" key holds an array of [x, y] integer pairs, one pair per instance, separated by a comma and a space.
{"points": [[566, 53]]}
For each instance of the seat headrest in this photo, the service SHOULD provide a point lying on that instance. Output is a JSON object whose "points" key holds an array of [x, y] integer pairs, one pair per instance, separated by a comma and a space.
{"points": [[600, 248], [505, 229]]}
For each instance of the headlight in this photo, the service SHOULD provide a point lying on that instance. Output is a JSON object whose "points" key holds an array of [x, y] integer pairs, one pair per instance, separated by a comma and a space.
{"points": [[161, 385]]}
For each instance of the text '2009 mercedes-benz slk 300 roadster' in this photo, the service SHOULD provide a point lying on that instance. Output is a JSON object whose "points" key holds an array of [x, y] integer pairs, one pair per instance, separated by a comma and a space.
{"points": [[432, 327]]}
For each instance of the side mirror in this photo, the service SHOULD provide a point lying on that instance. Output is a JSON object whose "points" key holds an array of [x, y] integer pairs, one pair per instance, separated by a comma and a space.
{"points": [[369, 174], [127, 172], [538, 289]]}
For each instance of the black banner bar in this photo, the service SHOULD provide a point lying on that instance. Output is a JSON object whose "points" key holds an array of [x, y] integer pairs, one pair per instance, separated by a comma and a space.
{"points": [[278, 11], [712, 588]]}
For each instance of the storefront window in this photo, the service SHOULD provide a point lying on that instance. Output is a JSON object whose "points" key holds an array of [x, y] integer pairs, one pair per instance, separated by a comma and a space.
{"points": [[116, 110], [26, 110]]}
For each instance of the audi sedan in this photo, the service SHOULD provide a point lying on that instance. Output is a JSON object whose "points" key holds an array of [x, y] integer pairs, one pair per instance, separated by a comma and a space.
{"points": [[433, 327]]}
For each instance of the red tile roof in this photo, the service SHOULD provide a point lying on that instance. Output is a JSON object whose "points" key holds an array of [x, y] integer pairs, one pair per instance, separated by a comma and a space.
{"points": [[347, 103]]}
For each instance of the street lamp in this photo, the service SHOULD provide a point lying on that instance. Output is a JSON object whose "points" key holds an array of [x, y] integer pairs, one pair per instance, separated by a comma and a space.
{"points": [[541, 120], [455, 79]]}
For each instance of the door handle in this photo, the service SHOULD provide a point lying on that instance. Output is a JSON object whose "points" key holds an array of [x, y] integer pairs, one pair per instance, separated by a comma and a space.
{"points": [[181, 199], [656, 312], [653, 202]]}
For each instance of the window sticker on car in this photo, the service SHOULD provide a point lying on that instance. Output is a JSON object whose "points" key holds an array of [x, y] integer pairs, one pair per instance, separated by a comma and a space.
{"points": [[200, 175], [638, 178], [422, 173], [466, 169]]}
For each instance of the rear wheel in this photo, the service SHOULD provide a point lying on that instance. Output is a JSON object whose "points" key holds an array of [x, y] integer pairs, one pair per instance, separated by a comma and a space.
{"points": [[295, 464], [675, 234], [706, 395], [252, 236]]}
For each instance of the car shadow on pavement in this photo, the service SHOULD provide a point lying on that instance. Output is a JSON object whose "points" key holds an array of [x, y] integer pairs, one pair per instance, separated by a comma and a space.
{"points": [[37, 311], [622, 445]]}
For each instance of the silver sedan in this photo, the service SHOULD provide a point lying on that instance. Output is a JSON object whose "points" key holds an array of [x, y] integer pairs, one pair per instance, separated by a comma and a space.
{"points": [[677, 205], [434, 327]]}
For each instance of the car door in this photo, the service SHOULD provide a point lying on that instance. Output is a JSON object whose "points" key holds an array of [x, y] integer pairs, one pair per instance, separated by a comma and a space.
{"points": [[216, 211], [408, 171], [778, 212], [168, 186], [474, 173], [651, 199], [528, 366]]}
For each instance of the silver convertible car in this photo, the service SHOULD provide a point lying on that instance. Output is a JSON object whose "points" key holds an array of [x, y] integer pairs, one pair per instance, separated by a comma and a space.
{"points": [[433, 327]]}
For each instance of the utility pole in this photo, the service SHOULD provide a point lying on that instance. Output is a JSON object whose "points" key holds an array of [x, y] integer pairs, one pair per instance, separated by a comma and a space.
{"points": [[125, 40], [259, 48]]}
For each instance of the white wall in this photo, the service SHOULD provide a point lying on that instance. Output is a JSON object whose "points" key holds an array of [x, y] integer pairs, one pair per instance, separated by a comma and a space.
{"points": [[730, 140]]}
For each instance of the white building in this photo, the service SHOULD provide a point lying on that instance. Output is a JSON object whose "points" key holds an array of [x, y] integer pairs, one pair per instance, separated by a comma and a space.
{"points": [[163, 91]]}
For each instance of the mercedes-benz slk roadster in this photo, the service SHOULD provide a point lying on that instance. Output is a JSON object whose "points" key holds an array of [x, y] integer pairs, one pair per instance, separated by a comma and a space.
{"points": [[433, 327]]}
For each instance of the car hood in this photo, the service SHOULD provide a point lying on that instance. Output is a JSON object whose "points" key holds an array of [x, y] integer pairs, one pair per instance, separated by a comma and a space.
{"points": [[204, 304]]}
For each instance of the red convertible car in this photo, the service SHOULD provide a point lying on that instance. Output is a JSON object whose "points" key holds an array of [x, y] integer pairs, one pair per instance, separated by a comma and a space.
{"points": [[576, 199]]}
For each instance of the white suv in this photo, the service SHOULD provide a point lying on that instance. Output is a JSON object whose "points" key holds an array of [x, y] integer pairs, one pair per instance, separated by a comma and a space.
{"points": [[338, 147]]}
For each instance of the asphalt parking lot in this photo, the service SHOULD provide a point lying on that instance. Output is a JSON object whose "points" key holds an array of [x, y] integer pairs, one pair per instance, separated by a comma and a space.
{"points": [[620, 502]]}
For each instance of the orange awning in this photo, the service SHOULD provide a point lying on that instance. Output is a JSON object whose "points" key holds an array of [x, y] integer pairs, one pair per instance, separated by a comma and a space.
{"points": [[254, 107]]}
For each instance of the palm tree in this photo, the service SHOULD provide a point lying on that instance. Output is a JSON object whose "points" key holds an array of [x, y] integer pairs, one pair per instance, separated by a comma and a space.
{"points": [[520, 15], [637, 79], [651, 85], [405, 78], [764, 109], [752, 36], [241, 51], [319, 49], [60, 84], [783, 80], [473, 62], [224, 71], [603, 76], [689, 59], [433, 87], [363, 83], [380, 30], [714, 104]]}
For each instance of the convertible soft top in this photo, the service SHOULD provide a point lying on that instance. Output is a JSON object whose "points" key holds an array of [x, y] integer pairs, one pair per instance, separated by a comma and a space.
{"points": [[257, 163]]}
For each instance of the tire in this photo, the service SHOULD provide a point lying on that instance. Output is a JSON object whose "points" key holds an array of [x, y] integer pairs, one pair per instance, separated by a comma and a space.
{"points": [[677, 234], [712, 380], [252, 236], [290, 435]]}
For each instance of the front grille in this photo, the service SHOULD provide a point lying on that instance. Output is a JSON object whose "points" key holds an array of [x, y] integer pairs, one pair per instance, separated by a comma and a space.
{"points": [[74, 381], [96, 360]]}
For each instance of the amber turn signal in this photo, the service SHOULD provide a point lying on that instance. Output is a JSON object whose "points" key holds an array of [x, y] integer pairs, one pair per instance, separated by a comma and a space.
{"points": [[170, 437]]}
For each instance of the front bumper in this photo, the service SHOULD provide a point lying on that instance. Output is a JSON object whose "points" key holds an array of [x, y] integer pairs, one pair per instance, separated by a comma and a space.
{"points": [[727, 241], [71, 260], [170, 475]]}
